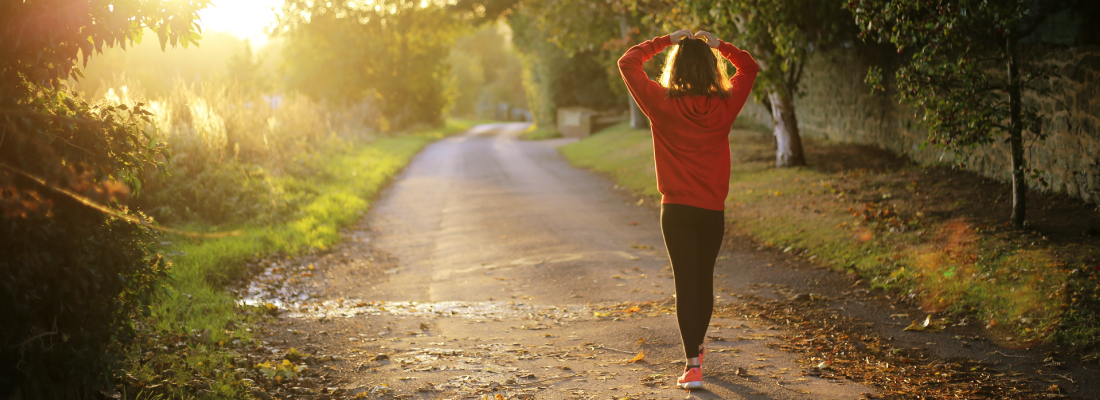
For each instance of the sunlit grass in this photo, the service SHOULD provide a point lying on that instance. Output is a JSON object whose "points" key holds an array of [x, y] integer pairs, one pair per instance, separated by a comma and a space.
{"points": [[536, 133], [355, 174], [195, 299], [863, 223], [623, 153]]}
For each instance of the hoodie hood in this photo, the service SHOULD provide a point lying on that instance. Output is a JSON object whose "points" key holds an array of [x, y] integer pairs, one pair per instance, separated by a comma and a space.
{"points": [[702, 112]]}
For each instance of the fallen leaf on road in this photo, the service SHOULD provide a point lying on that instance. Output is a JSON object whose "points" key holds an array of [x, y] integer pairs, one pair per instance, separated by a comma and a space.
{"points": [[926, 326], [293, 355], [637, 358]]}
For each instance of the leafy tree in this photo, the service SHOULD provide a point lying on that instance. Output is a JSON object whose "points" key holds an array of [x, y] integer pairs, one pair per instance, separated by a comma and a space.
{"points": [[965, 71], [73, 266], [780, 34], [606, 28], [486, 71], [390, 51], [554, 76], [563, 44]]}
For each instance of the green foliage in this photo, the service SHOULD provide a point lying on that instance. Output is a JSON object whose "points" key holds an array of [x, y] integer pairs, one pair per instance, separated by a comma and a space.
{"points": [[390, 53], [536, 133], [70, 282], [229, 146], [76, 29], [558, 77], [956, 69], [207, 193], [71, 276], [964, 71], [780, 34], [485, 71]]}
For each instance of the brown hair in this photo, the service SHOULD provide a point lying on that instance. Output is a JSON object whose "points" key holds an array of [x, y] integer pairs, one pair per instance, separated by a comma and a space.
{"points": [[693, 68]]}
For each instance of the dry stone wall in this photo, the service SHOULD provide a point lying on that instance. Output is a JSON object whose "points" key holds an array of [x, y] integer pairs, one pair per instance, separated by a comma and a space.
{"points": [[835, 104]]}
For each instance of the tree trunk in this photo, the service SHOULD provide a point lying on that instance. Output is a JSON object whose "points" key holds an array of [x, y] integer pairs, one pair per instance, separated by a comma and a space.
{"points": [[788, 142], [1016, 140], [638, 120]]}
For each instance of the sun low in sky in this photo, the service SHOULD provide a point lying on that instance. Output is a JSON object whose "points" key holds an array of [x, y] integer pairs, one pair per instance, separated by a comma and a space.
{"points": [[245, 19]]}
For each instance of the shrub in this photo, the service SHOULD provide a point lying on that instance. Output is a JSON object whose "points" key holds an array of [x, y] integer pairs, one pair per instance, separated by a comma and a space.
{"points": [[68, 286], [74, 264]]}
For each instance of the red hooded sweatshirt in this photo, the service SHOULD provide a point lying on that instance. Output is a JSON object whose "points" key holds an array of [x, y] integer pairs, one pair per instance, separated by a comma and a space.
{"points": [[690, 133]]}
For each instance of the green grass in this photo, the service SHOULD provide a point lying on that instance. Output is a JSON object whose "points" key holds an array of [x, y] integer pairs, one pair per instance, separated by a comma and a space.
{"points": [[876, 226], [536, 133], [194, 298], [623, 153]]}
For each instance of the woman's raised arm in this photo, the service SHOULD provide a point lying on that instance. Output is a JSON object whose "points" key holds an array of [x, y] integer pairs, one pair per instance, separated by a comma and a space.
{"points": [[645, 91], [746, 66]]}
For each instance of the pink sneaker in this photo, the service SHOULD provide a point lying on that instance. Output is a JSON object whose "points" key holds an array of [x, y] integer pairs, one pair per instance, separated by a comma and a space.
{"points": [[692, 379]]}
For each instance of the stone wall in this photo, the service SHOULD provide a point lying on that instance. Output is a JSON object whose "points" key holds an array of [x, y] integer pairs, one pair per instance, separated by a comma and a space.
{"points": [[836, 104]]}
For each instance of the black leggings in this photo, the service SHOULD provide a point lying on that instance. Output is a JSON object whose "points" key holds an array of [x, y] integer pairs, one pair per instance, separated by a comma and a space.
{"points": [[693, 237]]}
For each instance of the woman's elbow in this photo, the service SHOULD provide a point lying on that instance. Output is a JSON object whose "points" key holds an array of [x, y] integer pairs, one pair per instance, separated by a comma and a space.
{"points": [[753, 68], [624, 63]]}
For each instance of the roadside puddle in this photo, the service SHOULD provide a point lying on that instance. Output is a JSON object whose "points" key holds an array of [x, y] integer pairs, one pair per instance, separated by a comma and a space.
{"points": [[288, 289], [492, 310]]}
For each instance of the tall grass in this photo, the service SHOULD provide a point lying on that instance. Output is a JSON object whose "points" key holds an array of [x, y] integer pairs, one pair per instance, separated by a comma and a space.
{"points": [[230, 149]]}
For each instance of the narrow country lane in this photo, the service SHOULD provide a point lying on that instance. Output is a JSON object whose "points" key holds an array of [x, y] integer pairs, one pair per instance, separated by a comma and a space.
{"points": [[492, 267]]}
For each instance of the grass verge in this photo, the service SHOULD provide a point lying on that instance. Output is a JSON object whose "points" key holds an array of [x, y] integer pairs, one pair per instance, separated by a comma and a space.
{"points": [[934, 236], [194, 341], [535, 133]]}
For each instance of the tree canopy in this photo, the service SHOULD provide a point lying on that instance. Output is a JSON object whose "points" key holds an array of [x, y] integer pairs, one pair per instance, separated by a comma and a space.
{"points": [[74, 266], [964, 72], [392, 53], [780, 34]]}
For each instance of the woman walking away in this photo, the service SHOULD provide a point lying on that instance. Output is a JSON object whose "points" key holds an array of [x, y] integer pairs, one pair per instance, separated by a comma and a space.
{"points": [[691, 112]]}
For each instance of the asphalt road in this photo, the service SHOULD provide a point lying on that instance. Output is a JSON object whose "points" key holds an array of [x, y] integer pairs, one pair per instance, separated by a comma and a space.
{"points": [[491, 266]]}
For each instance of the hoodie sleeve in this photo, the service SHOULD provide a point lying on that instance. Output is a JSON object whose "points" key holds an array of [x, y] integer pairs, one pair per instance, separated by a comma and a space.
{"points": [[746, 70], [645, 91]]}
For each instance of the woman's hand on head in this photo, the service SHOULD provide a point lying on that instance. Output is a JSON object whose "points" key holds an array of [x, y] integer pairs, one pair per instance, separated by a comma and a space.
{"points": [[710, 38], [680, 34]]}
